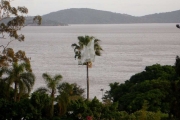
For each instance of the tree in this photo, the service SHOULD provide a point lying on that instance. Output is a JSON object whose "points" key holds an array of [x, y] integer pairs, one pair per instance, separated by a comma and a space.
{"points": [[77, 90], [73, 90], [94, 109], [177, 65], [41, 103], [62, 102], [21, 76], [175, 87], [67, 92], [85, 54], [157, 84], [52, 84], [11, 21]]}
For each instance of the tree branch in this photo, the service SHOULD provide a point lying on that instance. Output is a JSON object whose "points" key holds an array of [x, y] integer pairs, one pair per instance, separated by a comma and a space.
{"points": [[4, 47], [8, 43]]}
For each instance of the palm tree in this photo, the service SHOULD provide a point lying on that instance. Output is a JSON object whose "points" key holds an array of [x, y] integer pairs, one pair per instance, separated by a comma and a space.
{"points": [[21, 77], [67, 93], [78, 49], [62, 101], [52, 83]]}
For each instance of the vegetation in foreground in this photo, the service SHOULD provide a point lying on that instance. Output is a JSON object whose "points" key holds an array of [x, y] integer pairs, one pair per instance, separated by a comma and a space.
{"points": [[152, 94]]}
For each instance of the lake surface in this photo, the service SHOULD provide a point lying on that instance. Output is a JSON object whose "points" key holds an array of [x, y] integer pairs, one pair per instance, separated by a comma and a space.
{"points": [[128, 48]]}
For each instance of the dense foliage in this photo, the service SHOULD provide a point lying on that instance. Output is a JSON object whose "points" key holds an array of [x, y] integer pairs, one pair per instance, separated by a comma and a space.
{"points": [[158, 85]]}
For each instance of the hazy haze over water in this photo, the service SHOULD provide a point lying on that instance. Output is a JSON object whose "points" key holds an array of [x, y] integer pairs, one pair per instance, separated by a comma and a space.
{"points": [[128, 48]]}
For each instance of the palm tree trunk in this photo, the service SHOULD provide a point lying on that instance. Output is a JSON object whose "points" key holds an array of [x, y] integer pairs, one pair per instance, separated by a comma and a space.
{"points": [[52, 104], [87, 82], [15, 89]]}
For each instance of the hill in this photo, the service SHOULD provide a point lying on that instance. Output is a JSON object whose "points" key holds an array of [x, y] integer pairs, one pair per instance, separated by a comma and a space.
{"points": [[168, 17], [88, 16], [29, 22], [45, 22], [91, 16]]}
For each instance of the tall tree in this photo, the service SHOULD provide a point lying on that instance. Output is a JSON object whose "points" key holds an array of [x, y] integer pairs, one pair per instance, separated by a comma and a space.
{"points": [[52, 84], [81, 51], [21, 77], [11, 21]]}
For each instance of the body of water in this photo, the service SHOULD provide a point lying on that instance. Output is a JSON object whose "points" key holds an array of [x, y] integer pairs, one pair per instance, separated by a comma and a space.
{"points": [[128, 48]]}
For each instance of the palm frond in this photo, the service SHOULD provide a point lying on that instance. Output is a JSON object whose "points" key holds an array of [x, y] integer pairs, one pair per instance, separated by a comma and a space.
{"points": [[27, 86], [42, 90], [77, 54], [84, 40], [47, 77], [18, 75], [28, 79], [97, 47], [89, 37], [63, 101], [19, 68], [58, 77], [96, 40], [52, 83], [10, 79], [21, 87], [75, 46]]}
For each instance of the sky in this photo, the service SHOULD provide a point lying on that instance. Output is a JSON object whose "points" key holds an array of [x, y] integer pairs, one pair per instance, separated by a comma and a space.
{"points": [[130, 7]]}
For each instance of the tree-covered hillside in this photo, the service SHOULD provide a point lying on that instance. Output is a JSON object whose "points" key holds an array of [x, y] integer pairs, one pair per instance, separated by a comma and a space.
{"points": [[92, 16]]}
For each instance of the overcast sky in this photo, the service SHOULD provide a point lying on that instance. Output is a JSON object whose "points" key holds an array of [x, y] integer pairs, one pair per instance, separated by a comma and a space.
{"points": [[131, 7]]}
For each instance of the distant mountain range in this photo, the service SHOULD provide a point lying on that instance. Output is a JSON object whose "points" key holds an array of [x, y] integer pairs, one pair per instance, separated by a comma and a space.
{"points": [[92, 16]]}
